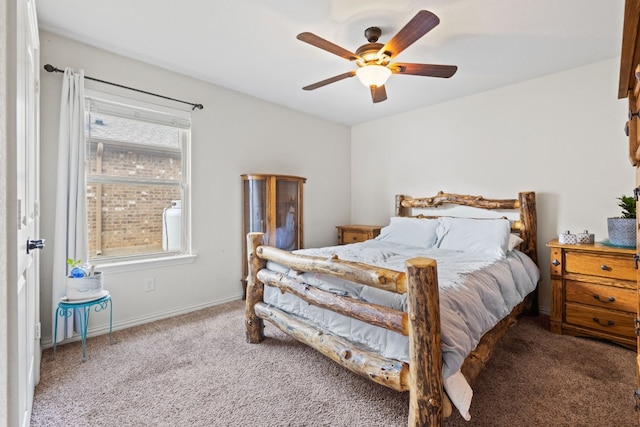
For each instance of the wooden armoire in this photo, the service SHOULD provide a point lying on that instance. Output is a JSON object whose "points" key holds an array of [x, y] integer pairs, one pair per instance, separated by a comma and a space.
{"points": [[629, 87], [271, 204]]}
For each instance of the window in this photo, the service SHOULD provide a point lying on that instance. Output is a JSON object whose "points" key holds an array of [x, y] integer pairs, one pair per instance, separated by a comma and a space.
{"points": [[137, 180]]}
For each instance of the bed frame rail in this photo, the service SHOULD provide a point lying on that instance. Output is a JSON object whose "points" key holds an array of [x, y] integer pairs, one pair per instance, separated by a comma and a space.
{"points": [[378, 315], [381, 278], [387, 372]]}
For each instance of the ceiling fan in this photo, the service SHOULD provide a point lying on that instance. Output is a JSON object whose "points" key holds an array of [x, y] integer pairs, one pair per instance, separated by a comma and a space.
{"points": [[373, 59]]}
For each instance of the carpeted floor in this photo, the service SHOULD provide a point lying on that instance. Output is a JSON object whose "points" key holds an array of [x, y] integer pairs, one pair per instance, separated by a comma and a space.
{"points": [[197, 370]]}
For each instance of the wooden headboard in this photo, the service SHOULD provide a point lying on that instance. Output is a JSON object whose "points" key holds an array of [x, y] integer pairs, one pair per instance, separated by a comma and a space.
{"points": [[525, 204]]}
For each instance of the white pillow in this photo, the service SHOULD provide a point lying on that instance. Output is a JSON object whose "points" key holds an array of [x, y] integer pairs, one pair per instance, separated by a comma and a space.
{"points": [[420, 232], [477, 235], [514, 240]]}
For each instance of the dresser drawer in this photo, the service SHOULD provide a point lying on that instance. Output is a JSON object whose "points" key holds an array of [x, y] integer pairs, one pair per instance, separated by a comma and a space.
{"points": [[608, 321], [600, 265], [354, 236], [607, 297]]}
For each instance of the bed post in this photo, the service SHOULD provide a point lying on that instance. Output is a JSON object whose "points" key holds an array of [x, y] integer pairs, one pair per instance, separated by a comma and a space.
{"points": [[528, 221], [529, 233], [426, 397], [400, 210], [255, 289]]}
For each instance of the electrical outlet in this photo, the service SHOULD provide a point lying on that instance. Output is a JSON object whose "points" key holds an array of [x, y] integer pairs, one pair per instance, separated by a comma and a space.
{"points": [[149, 284]]}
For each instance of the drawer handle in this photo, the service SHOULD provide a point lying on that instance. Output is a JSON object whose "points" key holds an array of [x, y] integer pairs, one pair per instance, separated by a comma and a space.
{"points": [[605, 267], [609, 322], [610, 299], [555, 262]]}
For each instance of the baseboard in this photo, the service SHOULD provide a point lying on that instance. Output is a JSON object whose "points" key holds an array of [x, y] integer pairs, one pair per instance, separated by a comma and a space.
{"points": [[136, 321]]}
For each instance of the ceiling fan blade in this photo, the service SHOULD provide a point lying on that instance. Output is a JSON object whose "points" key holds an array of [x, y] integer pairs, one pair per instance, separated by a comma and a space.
{"points": [[378, 94], [429, 70], [317, 41], [330, 80], [421, 24]]}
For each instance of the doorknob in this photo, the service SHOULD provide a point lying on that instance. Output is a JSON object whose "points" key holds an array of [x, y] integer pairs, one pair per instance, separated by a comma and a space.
{"points": [[34, 244]]}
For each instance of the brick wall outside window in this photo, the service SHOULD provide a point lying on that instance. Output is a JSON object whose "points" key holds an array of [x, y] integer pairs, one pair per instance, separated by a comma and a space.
{"points": [[131, 214]]}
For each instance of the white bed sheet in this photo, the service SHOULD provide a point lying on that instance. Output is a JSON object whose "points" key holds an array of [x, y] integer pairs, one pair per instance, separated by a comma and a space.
{"points": [[477, 290]]}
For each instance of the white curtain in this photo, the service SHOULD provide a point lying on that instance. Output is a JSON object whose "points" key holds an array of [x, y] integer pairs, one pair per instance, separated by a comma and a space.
{"points": [[70, 240]]}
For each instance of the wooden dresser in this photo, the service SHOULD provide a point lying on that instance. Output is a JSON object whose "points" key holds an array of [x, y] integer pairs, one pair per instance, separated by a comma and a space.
{"points": [[593, 292], [356, 233]]}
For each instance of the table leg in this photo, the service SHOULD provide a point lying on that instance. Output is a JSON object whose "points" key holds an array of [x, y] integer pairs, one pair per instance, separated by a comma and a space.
{"points": [[110, 321], [83, 330], [55, 333]]}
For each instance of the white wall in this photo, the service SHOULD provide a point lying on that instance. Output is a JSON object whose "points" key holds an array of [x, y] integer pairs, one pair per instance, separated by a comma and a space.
{"points": [[560, 136], [234, 134]]}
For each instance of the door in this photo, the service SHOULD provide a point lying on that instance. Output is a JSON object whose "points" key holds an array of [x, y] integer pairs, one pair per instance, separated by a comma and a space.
{"points": [[27, 192]]}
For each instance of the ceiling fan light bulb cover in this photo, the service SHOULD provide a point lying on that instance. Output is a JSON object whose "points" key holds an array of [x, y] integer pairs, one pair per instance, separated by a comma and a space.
{"points": [[373, 75]]}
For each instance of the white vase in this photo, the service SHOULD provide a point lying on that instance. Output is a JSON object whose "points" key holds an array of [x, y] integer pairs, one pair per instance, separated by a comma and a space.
{"points": [[81, 288]]}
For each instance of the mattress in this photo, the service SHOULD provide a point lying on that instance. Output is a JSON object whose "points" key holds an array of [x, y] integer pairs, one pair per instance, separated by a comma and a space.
{"points": [[477, 290]]}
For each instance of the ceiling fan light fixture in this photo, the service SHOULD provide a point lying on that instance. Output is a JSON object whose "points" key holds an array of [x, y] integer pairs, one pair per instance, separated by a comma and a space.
{"points": [[373, 59], [373, 75]]}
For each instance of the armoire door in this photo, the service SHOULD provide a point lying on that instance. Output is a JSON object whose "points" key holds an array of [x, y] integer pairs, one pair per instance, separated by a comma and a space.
{"points": [[272, 204]]}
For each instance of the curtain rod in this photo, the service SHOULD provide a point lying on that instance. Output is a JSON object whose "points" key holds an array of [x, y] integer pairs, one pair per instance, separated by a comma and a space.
{"points": [[50, 68]]}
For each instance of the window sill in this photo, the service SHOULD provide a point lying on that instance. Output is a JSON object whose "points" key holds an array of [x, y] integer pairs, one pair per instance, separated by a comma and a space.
{"points": [[143, 264]]}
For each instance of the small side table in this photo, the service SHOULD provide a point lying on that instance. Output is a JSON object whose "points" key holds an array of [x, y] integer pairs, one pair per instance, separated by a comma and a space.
{"points": [[356, 233], [66, 309]]}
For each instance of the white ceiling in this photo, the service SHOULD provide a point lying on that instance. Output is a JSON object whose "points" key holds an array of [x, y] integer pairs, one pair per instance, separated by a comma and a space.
{"points": [[250, 45]]}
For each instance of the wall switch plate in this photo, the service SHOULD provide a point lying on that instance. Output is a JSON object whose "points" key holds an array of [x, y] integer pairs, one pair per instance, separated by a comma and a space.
{"points": [[149, 284]]}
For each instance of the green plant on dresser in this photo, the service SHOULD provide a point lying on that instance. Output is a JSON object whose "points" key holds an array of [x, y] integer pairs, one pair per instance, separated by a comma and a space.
{"points": [[622, 229]]}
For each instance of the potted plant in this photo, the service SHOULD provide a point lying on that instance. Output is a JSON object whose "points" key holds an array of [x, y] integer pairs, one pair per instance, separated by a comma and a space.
{"points": [[622, 229], [83, 282]]}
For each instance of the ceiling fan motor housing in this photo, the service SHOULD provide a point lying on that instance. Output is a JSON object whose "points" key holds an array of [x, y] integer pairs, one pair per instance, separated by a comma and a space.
{"points": [[370, 55]]}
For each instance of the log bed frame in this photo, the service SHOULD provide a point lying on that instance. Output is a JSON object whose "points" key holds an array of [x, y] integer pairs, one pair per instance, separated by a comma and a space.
{"points": [[422, 377]]}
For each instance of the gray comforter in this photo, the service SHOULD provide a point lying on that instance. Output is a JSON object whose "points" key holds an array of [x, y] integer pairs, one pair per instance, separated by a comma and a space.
{"points": [[477, 290]]}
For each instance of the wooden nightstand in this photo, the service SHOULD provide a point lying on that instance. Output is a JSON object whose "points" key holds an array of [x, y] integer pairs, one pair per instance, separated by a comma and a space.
{"points": [[593, 292], [356, 233]]}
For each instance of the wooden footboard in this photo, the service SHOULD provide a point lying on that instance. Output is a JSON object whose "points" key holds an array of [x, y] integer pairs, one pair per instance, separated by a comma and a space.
{"points": [[421, 323]]}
